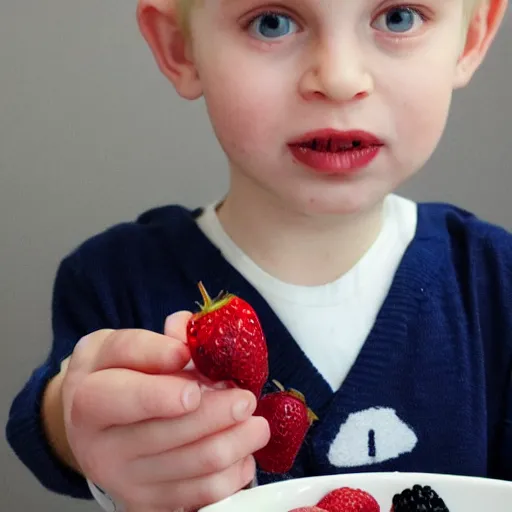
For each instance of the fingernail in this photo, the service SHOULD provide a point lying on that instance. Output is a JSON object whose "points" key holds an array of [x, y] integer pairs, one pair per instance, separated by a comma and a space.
{"points": [[191, 396], [242, 410]]}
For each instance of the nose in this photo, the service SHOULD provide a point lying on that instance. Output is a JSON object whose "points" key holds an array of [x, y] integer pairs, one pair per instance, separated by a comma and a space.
{"points": [[336, 73]]}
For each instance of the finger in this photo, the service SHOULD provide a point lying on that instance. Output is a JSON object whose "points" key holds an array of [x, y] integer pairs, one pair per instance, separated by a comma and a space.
{"points": [[144, 508], [176, 325], [80, 363], [198, 492], [121, 397], [207, 456], [217, 411], [143, 351], [86, 350]]}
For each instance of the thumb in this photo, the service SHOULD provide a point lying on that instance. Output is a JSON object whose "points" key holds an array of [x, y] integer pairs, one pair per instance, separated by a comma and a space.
{"points": [[176, 325]]}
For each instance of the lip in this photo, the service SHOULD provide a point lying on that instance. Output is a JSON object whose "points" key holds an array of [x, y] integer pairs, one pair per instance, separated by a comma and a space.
{"points": [[368, 139], [336, 152]]}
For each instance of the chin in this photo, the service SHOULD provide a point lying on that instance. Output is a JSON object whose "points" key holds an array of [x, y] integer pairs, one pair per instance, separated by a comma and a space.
{"points": [[339, 206]]}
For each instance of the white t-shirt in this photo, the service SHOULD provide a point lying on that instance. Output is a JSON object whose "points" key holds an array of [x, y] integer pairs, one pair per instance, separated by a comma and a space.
{"points": [[331, 322]]}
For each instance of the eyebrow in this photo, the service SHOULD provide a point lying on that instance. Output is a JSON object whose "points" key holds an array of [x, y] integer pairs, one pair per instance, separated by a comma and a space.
{"points": [[229, 2]]}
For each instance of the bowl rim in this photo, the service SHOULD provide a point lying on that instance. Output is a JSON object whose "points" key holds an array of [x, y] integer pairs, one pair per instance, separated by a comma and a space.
{"points": [[391, 476]]}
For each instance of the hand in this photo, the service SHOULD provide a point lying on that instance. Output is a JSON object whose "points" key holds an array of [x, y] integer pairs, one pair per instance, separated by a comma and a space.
{"points": [[141, 428]]}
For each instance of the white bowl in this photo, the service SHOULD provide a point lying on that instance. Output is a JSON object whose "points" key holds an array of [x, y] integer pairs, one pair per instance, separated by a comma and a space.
{"points": [[461, 494]]}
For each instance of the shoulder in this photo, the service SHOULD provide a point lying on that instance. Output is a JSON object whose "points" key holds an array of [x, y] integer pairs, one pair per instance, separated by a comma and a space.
{"points": [[133, 246], [146, 228], [475, 262], [474, 282], [464, 233], [127, 274]]}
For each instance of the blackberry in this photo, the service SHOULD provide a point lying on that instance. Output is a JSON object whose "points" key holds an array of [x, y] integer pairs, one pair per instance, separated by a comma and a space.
{"points": [[419, 499]]}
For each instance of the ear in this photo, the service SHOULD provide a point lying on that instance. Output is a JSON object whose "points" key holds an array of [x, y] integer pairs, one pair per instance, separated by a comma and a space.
{"points": [[483, 27], [172, 48]]}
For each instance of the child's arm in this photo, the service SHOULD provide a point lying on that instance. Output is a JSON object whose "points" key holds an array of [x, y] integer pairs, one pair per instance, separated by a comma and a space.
{"points": [[52, 411], [121, 407], [34, 428], [53, 419]]}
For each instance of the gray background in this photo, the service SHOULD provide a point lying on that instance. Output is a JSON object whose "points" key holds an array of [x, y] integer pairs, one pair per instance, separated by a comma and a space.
{"points": [[91, 134]]}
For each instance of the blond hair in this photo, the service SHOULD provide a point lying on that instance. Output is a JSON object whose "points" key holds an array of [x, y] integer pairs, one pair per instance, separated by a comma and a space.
{"points": [[183, 9]]}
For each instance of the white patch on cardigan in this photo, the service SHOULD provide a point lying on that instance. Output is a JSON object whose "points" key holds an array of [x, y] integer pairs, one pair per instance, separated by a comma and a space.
{"points": [[370, 437]]}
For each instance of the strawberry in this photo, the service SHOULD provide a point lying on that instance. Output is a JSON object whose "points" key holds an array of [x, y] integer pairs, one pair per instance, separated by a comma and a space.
{"points": [[289, 420], [346, 499], [227, 342], [308, 509]]}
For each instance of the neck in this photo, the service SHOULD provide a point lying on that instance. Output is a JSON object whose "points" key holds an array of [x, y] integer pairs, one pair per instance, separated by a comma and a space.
{"points": [[300, 249]]}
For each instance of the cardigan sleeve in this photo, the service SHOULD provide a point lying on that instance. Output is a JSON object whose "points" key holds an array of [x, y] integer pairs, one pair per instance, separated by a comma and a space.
{"points": [[76, 311]]}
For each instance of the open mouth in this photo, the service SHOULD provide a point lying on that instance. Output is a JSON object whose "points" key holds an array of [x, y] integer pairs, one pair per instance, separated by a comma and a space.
{"points": [[332, 145], [334, 141], [336, 151]]}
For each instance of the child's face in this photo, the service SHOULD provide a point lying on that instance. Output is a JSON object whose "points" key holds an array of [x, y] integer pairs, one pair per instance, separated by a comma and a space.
{"points": [[271, 72]]}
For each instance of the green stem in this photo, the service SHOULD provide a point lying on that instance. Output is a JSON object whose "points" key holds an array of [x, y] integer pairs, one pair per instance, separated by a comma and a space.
{"points": [[206, 298]]}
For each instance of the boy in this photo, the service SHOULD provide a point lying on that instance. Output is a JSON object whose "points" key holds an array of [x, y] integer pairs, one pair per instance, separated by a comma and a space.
{"points": [[394, 319]]}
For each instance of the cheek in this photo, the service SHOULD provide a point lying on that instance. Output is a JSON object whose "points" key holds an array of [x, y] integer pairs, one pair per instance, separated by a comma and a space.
{"points": [[423, 102], [237, 121], [247, 109], [425, 113]]}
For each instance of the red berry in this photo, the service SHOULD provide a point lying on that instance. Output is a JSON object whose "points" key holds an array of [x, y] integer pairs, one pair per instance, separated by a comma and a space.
{"points": [[289, 420], [227, 342], [346, 499], [307, 509]]}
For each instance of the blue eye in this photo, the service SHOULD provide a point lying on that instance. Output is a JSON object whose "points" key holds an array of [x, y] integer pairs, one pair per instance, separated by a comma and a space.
{"points": [[399, 20], [272, 26]]}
